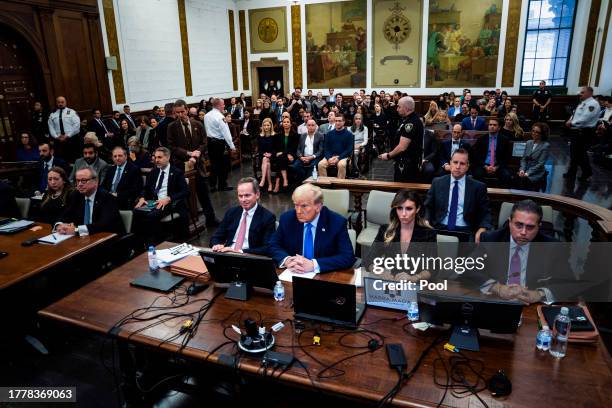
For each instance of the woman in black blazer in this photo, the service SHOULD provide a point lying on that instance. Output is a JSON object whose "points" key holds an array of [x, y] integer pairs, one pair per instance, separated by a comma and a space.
{"points": [[286, 144], [408, 232]]}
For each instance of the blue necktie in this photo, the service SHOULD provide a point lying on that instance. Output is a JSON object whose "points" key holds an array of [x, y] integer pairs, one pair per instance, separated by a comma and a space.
{"points": [[117, 179], [45, 175], [452, 212], [87, 217], [308, 244]]}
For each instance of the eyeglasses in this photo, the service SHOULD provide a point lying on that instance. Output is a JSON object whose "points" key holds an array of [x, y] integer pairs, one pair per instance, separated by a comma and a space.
{"points": [[83, 181], [528, 227]]}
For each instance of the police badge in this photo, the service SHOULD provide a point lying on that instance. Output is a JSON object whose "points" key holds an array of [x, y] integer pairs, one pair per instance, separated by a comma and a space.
{"points": [[591, 108], [408, 127]]}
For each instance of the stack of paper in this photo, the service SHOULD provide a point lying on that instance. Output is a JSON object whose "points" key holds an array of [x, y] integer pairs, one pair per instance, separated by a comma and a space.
{"points": [[167, 256], [54, 238], [288, 275], [15, 226]]}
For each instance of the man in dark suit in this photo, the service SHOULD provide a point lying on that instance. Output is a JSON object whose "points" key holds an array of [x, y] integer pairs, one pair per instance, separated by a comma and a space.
{"points": [[245, 228], [235, 110], [90, 209], [166, 190], [474, 122], [187, 142], [162, 128], [127, 116], [48, 160], [123, 180], [113, 125], [491, 155], [527, 267], [309, 151], [449, 147], [456, 202], [311, 238], [97, 125]]}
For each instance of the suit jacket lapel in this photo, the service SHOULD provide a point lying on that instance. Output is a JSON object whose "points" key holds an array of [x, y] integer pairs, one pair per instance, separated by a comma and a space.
{"points": [[467, 195]]}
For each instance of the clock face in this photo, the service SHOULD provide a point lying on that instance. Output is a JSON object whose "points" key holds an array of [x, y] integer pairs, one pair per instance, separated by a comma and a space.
{"points": [[396, 29], [267, 30]]}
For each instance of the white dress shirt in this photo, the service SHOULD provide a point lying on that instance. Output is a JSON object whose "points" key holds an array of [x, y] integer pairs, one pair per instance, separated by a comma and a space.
{"points": [[217, 127], [70, 119], [249, 219], [163, 191], [309, 145], [586, 114], [461, 185]]}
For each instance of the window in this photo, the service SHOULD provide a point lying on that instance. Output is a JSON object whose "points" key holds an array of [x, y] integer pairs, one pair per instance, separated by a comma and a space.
{"points": [[548, 41]]}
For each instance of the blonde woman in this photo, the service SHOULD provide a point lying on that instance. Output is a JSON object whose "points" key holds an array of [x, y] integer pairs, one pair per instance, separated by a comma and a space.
{"points": [[431, 113], [512, 129], [266, 149]]}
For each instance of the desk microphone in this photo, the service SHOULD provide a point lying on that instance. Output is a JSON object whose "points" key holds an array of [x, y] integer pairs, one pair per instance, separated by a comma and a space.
{"points": [[196, 288], [29, 242]]}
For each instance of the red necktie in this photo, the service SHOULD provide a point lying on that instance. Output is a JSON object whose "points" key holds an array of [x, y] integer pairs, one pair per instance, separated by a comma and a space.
{"points": [[241, 232]]}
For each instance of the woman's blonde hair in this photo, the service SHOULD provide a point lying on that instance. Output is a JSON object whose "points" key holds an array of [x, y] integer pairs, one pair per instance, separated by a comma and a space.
{"points": [[267, 120], [516, 127]]}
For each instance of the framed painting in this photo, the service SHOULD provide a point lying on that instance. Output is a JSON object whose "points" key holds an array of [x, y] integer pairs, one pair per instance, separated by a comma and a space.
{"points": [[268, 30]]}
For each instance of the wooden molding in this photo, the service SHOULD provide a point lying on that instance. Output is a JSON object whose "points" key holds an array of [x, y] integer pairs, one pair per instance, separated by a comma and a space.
{"points": [[602, 47], [185, 47], [113, 49], [512, 34], [296, 46], [244, 62], [589, 43], [233, 49]]}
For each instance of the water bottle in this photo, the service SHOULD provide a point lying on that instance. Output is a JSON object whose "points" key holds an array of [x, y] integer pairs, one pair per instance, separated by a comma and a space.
{"points": [[413, 311], [279, 291], [561, 331], [315, 175], [153, 264], [543, 339]]}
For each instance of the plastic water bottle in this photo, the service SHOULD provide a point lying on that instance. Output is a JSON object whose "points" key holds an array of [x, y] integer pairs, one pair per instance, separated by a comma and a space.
{"points": [[561, 331], [413, 311], [279, 291], [153, 264], [315, 175], [543, 339]]}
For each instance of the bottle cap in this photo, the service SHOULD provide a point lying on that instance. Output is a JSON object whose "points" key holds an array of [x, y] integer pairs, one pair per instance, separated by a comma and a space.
{"points": [[564, 310], [279, 282], [151, 248]]}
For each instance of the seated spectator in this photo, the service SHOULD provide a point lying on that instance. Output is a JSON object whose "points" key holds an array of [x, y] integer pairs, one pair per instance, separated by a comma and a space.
{"points": [[505, 108], [267, 112], [125, 132], [311, 238], [512, 128], [267, 154], [431, 113], [529, 275], [338, 146], [309, 151], [301, 129], [89, 209], [449, 147], [317, 106], [143, 132], [360, 137], [285, 152], [491, 155], [248, 227], [429, 158], [380, 122], [90, 159], [331, 123], [28, 148], [55, 197], [165, 192], [192, 113], [258, 107], [490, 109], [457, 202], [248, 134], [465, 113], [123, 180], [236, 110], [455, 109], [228, 118], [138, 155], [407, 229], [47, 161], [440, 121], [474, 122], [532, 171]]}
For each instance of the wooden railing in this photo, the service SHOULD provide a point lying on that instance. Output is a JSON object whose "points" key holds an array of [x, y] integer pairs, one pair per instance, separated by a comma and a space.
{"points": [[599, 218]]}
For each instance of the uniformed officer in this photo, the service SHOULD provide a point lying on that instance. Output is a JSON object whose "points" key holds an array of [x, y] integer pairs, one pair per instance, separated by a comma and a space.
{"points": [[64, 124], [541, 99], [409, 133], [583, 123]]}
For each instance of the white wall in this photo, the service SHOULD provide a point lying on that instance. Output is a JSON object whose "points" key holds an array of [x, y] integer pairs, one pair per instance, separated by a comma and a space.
{"points": [[605, 79]]}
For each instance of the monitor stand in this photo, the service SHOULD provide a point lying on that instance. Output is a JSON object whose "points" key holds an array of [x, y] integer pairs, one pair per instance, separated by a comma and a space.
{"points": [[237, 290], [465, 337]]}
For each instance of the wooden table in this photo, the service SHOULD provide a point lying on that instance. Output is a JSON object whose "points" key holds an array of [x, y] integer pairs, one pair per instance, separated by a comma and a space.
{"points": [[582, 378], [23, 262]]}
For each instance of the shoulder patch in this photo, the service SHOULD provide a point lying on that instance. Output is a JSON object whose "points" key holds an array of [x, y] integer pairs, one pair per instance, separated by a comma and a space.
{"points": [[591, 108], [408, 127]]}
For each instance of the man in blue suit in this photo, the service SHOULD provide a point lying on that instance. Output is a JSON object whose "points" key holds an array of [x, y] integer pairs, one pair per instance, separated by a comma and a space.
{"points": [[246, 228], [450, 146], [311, 238], [474, 122]]}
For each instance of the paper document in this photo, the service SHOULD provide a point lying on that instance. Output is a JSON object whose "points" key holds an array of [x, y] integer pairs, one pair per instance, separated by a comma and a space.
{"points": [[15, 226], [166, 256], [288, 275], [54, 238], [358, 277]]}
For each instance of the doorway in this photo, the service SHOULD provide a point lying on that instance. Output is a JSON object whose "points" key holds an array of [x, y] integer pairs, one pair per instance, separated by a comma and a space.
{"points": [[271, 80], [20, 86], [266, 70]]}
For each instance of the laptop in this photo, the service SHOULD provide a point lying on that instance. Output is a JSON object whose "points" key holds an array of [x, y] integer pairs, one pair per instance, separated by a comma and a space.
{"points": [[327, 302]]}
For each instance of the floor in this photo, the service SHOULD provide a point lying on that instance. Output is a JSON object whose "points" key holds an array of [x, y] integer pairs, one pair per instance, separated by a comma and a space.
{"points": [[76, 358]]}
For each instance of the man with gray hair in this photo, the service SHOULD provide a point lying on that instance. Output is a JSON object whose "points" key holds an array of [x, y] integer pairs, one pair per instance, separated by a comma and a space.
{"points": [[219, 136], [90, 209], [311, 237], [409, 143]]}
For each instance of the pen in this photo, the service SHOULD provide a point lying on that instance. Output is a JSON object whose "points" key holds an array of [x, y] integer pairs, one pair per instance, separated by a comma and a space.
{"points": [[53, 235]]}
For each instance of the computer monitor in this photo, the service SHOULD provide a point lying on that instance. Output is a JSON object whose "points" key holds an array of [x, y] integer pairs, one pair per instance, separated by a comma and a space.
{"points": [[242, 272], [469, 313]]}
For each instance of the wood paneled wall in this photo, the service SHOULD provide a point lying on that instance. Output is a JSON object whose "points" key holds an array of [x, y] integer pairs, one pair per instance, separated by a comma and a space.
{"points": [[67, 40]]}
